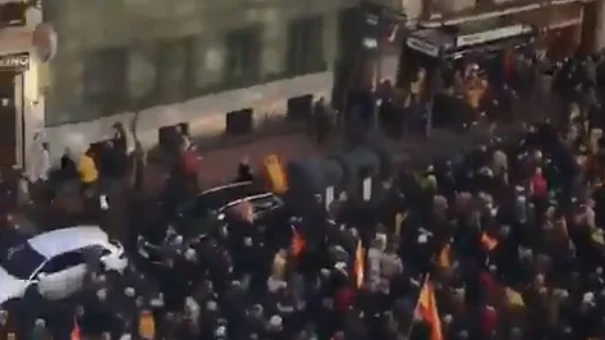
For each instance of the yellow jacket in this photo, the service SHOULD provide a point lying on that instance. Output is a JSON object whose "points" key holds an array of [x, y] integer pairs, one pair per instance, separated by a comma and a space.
{"points": [[87, 169]]}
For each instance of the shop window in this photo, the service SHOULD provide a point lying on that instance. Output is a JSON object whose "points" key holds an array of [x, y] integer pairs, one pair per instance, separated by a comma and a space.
{"points": [[305, 46], [105, 88], [243, 47]]}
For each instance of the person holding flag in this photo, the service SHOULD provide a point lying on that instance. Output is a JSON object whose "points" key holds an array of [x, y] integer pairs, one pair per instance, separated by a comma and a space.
{"points": [[76, 333], [297, 244], [426, 310], [359, 265]]}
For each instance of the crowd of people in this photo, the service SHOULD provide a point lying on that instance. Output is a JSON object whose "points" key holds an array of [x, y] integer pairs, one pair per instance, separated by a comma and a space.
{"points": [[502, 242]]}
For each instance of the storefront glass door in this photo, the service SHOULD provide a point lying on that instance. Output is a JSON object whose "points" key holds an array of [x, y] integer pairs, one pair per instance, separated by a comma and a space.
{"points": [[7, 119]]}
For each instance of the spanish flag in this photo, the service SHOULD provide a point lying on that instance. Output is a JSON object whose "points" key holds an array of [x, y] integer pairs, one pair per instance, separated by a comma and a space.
{"points": [[75, 334], [427, 308], [276, 174], [488, 242], [596, 235], [514, 298], [445, 256], [360, 256], [297, 244]]}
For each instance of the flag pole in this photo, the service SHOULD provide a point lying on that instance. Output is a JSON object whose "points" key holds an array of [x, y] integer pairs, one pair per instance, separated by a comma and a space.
{"points": [[413, 323]]}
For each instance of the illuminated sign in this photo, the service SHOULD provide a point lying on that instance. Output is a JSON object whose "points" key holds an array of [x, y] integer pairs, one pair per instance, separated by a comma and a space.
{"points": [[491, 35], [423, 46], [16, 62]]}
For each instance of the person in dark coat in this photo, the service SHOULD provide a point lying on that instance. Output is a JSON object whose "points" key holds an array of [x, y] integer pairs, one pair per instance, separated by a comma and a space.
{"points": [[244, 171]]}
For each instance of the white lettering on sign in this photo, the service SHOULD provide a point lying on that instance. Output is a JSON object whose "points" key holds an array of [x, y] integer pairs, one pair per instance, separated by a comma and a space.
{"points": [[12, 61], [491, 35], [423, 46]]}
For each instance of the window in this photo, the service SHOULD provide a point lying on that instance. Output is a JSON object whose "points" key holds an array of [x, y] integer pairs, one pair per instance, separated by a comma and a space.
{"points": [[105, 81], [64, 261], [142, 76], [243, 55], [96, 251], [305, 46], [21, 261], [172, 70], [207, 64]]}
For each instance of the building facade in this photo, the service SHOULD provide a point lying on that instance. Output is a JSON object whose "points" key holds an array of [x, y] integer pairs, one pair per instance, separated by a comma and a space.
{"points": [[182, 61], [562, 26], [21, 103]]}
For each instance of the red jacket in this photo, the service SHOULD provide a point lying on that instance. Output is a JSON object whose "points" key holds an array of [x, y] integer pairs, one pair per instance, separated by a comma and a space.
{"points": [[345, 297], [489, 320], [539, 186], [190, 159]]}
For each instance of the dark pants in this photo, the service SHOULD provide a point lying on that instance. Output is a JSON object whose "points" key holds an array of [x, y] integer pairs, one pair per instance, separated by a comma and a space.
{"points": [[86, 189]]}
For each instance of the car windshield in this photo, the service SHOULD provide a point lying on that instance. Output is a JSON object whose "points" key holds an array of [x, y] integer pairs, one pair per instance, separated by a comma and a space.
{"points": [[21, 260]]}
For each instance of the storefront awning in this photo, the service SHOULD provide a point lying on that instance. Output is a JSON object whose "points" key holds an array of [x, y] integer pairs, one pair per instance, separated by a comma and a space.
{"points": [[555, 17], [436, 42], [430, 42], [498, 11], [486, 32]]}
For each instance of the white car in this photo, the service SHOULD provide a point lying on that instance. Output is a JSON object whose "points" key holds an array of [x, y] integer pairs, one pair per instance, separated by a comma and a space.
{"points": [[55, 262]]}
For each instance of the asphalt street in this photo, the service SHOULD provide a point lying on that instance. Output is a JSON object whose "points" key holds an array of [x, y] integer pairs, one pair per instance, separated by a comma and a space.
{"points": [[219, 166]]}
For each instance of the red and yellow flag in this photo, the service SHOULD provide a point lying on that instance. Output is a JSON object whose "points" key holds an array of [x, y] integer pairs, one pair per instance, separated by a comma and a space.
{"points": [[488, 242], [276, 174], [427, 308], [360, 257], [445, 256], [298, 243], [75, 334]]}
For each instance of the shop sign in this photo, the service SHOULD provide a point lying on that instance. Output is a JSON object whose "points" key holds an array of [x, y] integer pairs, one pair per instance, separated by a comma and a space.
{"points": [[423, 46], [14, 62], [491, 35]]}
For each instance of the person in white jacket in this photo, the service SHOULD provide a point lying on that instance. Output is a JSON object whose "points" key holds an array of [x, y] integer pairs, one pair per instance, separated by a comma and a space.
{"points": [[40, 162]]}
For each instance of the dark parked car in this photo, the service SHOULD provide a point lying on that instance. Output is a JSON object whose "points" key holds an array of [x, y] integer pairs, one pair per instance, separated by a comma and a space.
{"points": [[202, 216]]}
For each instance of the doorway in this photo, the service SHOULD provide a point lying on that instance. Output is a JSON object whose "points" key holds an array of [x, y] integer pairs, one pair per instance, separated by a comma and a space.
{"points": [[8, 136]]}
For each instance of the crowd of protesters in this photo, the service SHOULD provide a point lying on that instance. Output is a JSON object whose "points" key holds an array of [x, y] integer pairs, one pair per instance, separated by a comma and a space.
{"points": [[503, 242]]}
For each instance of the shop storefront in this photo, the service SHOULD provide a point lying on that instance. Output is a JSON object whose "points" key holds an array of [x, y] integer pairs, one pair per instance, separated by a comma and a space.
{"points": [[479, 41], [431, 57], [562, 29], [12, 66]]}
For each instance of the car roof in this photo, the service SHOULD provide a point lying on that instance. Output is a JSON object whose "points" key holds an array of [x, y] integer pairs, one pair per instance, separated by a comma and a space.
{"points": [[65, 240], [252, 198], [226, 186], [217, 197]]}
